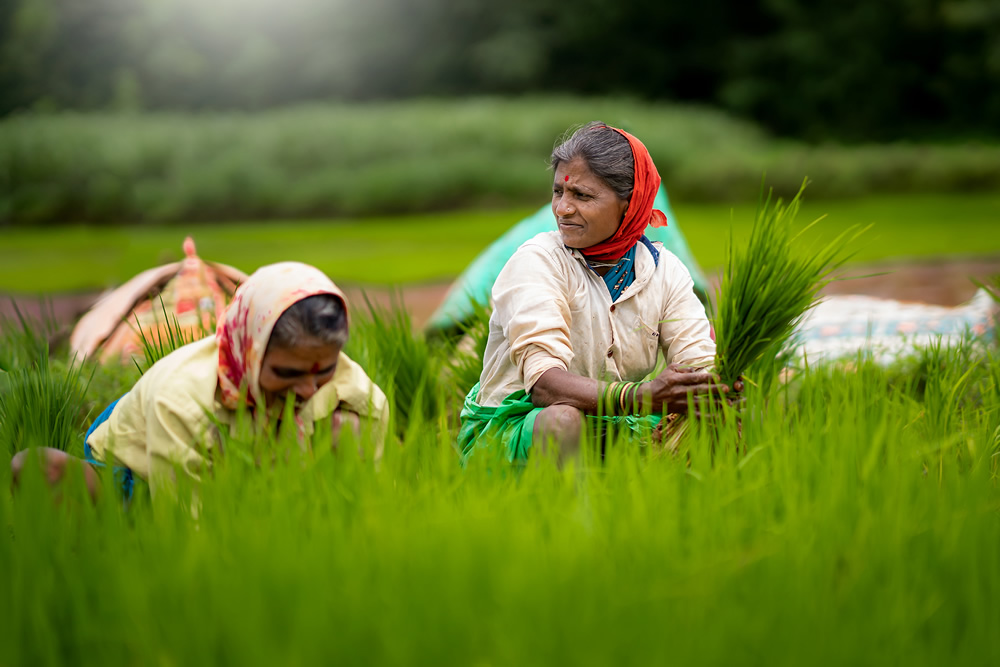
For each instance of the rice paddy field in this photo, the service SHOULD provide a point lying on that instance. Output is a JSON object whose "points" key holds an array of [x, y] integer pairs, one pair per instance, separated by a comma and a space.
{"points": [[849, 515]]}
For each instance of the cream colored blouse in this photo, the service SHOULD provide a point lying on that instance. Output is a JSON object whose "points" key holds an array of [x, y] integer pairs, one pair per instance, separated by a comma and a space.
{"points": [[552, 311]]}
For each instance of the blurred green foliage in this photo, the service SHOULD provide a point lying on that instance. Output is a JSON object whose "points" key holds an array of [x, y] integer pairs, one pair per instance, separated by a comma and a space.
{"points": [[820, 69], [419, 155]]}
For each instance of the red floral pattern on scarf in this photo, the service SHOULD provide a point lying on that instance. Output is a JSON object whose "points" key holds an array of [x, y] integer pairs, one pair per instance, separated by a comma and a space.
{"points": [[245, 329]]}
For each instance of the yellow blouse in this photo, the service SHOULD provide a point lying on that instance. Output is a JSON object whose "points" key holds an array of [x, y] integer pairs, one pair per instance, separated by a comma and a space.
{"points": [[169, 417]]}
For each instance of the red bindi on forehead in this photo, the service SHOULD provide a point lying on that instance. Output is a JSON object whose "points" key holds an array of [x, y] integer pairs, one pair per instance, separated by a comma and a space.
{"points": [[566, 179], [314, 368]]}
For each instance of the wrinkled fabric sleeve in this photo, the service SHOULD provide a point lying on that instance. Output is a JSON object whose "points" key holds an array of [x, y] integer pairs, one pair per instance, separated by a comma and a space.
{"points": [[151, 437], [531, 304], [165, 420], [173, 437], [685, 333], [121, 437], [351, 389]]}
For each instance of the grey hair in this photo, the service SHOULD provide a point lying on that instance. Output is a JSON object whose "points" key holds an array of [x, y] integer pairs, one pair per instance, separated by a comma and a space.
{"points": [[606, 152], [319, 318]]}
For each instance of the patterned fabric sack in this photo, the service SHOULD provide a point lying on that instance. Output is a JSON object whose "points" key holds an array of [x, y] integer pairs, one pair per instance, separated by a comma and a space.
{"points": [[189, 295]]}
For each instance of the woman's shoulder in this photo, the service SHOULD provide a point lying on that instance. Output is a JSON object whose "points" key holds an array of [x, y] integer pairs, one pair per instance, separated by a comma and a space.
{"points": [[666, 278], [189, 372], [667, 263], [356, 386], [541, 260], [543, 242], [176, 390], [543, 251]]}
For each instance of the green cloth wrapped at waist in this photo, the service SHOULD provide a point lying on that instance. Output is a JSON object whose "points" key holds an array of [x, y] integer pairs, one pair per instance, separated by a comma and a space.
{"points": [[507, 428]]}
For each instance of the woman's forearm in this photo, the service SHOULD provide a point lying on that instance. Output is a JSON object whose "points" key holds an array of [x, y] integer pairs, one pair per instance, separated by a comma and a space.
{"points": [[671, 391], [559, 387]]}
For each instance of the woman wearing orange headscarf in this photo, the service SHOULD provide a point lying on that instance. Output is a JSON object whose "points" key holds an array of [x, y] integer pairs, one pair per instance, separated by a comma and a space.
{"points": [[280, 338], [581, 313]]}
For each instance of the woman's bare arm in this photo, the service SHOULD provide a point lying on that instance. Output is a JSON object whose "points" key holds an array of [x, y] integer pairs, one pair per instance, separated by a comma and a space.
{"points": [[670, 391]]}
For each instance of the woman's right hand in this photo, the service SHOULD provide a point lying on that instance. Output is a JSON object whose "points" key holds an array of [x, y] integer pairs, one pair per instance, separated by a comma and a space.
{"points": [[683, 390]]}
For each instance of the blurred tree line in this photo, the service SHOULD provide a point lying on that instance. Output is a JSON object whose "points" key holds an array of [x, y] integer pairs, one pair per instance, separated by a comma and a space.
{"points": [[844, 69]]}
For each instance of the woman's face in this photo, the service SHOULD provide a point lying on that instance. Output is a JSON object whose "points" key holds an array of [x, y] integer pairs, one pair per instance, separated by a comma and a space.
{"points": [[586, 209], [302, 369]]}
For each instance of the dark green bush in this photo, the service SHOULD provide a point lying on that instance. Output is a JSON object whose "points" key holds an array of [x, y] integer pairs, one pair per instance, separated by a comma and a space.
{"points": [[424, 155]]}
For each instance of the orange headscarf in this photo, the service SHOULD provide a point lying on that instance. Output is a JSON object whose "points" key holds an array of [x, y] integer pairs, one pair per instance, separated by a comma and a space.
{"points": [[243, 333], [640, 210]]}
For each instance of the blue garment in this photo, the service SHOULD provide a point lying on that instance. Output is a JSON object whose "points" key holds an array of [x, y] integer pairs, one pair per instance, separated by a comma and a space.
{"points": [[123, 475], [622, 274], [652, 249]]}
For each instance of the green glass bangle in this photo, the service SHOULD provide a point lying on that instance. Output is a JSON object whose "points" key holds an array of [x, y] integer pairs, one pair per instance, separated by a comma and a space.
{"points": [[611, 394], [619, 390], [637, 398], [622, 397]]}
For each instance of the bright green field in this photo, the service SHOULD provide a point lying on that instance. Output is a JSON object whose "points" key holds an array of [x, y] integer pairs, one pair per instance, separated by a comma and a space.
{"points": [[853, 517], [855, 521], [432, 247], [901, 226], [375, 251]]}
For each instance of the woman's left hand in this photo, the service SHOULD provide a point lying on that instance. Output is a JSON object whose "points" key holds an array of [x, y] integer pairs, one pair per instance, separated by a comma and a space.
{"points": [[685, 390], [345, 419]]}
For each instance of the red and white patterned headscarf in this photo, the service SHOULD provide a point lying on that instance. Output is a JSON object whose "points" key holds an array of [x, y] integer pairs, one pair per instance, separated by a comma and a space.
{"points": [[246, 327]]}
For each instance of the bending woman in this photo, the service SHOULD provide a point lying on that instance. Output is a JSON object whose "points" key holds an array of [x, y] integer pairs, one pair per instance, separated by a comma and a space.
{"points": [[581, 313], [282, 334]]}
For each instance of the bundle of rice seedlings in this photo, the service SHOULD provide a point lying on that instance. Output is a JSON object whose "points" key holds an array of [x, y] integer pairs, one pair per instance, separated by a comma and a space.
{"points": [[42, 404], [991, 285], [41, 401], [766, 288]]}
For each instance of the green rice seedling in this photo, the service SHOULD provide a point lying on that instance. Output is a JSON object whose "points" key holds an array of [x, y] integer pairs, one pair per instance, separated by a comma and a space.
{"points": [[399, 360], [839, 536], [947, 382], [41, 399], [167, 337], [992, 285], [23, 339], [766, 288], [42, 405], [107, 382], [991, 408]]}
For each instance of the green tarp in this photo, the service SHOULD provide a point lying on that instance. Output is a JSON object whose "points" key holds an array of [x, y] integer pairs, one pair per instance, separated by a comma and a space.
{"points": [[476, 282]]}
